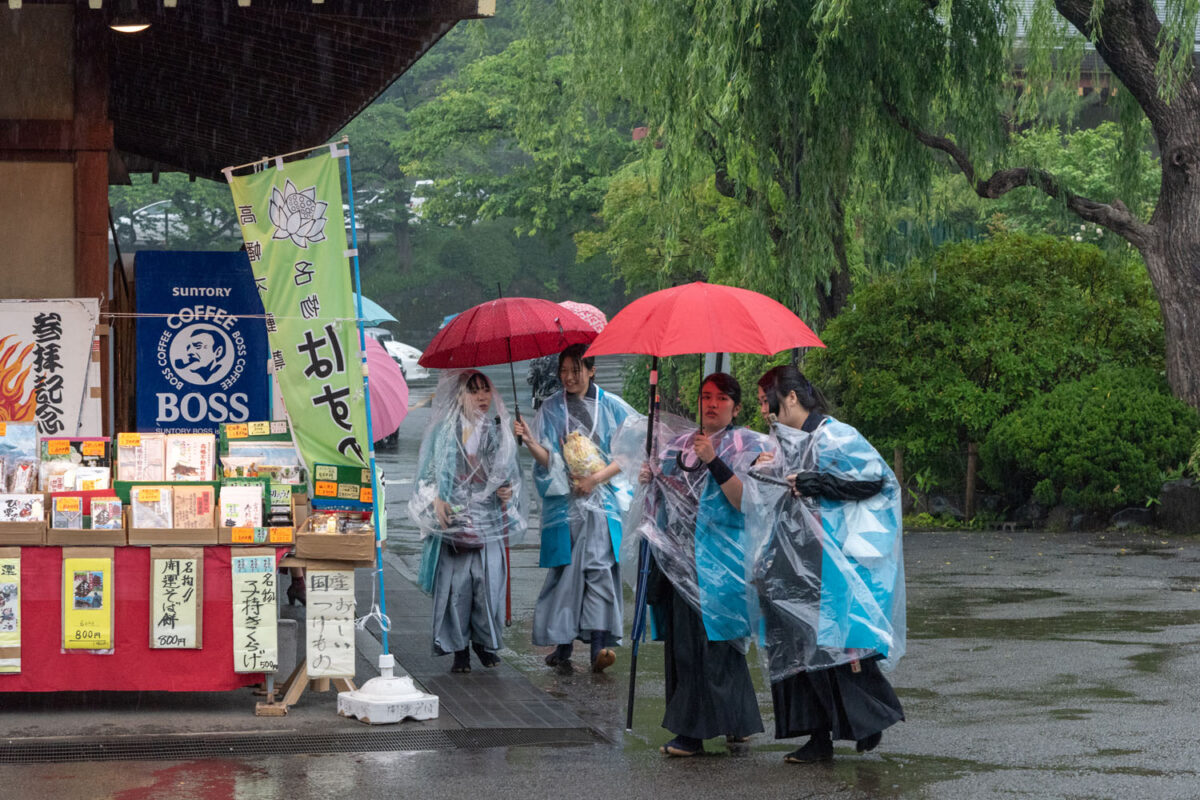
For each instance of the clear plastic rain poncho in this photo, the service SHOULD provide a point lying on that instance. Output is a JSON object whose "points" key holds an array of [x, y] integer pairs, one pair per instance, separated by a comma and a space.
{"points": [[578, 432], [828, 568], [467, 455], [696, 536]]}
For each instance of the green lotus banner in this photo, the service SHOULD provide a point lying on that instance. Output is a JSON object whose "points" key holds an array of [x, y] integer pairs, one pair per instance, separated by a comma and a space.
{"points": [[291, 219]]}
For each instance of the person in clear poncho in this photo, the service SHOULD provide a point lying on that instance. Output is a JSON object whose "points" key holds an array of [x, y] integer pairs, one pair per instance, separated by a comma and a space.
{"points": [[468, 504], [697, 583], [826, 558], [583, 496]]}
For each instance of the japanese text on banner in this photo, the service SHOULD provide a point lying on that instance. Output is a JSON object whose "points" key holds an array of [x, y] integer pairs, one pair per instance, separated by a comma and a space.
{"points": [[292, 224]]}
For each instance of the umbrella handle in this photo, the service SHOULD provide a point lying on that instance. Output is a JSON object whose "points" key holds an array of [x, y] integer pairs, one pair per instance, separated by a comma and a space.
{"points": [[679, 463]]}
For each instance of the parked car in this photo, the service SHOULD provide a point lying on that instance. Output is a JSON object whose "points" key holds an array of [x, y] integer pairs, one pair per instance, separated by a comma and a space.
{"points": [[403, 354]]}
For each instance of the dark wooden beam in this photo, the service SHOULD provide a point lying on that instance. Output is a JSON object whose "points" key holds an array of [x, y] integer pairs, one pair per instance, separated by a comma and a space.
{"points": [[91, 174]]}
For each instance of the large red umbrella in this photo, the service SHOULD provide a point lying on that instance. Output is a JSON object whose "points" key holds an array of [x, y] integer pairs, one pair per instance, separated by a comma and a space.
{"points": [[389, 391], [695, 318], [703, 318]]}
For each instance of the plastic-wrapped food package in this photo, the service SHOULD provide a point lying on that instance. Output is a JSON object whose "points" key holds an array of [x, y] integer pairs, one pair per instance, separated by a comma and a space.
{"points": [[578, 432], [828, 566], [696, 535], [467, 456]]}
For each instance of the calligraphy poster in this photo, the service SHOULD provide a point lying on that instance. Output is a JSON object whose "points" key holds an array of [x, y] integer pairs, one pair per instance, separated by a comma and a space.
{"points": [[291, 220], [10, 609], [176, 597], [88, 598], [255, 644], [201, 343], [329, 614], [46, 356]]}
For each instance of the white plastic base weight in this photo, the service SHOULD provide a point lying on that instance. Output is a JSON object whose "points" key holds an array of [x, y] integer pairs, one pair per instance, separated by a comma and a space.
{"points": [[387, 699]]}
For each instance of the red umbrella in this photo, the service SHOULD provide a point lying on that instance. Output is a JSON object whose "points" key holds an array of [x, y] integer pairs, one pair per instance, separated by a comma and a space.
{"points": [[703, 318], [695, 318], [389, 391], [588, 313], [506, 330]]}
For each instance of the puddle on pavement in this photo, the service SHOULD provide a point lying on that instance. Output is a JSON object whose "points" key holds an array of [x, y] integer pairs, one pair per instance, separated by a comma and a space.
{"points": [[944, 618]]}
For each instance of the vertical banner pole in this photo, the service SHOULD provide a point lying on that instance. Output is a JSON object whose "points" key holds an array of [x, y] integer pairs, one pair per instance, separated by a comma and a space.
{"points": [[362, 347]]}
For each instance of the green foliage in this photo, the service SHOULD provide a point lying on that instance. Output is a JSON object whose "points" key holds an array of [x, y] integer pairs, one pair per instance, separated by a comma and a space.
{"points": [[929, 358], [1098, 443], [1194, 460], [175, 213], [785, 107]]}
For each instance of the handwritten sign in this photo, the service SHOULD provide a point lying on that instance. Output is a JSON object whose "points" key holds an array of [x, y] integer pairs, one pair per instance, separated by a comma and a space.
{"points": [[10, 610], [255, 646], [176, 599], [87, 600], [329, 616]]}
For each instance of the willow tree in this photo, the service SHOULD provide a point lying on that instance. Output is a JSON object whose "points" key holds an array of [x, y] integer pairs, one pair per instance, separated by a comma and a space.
{"points": [[813, 112]]}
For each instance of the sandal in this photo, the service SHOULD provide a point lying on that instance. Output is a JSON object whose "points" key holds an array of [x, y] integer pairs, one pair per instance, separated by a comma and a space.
{"points": [[462, 661], [603, 660], [683, 747], [818, 748]]}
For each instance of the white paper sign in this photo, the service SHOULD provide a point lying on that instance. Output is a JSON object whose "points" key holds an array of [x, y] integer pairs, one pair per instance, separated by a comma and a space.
{"points": [[330, 623], [255, 647], [46, 347], [174, 602]]}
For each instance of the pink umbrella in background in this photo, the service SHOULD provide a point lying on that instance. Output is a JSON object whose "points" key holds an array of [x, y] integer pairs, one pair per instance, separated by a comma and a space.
{"points": [[588, 313], [389, 391]]}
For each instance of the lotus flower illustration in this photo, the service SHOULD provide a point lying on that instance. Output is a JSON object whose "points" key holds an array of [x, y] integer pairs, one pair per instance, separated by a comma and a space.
{"points": [[297, 215]]}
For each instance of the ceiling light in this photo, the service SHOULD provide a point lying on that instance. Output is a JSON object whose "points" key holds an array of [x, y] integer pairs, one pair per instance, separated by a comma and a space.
{"points": [[128, 19]]}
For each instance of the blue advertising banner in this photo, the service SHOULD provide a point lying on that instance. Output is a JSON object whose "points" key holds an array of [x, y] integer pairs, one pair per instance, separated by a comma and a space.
{"points": [[200, 360]]}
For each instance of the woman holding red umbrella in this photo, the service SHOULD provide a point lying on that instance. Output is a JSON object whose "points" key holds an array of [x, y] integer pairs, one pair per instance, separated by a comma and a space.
{"points": [[697, 583], [583, 496]]}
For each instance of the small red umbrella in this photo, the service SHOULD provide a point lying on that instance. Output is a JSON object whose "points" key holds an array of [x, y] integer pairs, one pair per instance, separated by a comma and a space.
{"points": [[588, 313], [703, 318], [506, 330]]}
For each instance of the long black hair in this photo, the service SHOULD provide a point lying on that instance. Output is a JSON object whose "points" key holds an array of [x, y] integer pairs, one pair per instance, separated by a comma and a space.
{"points": [[781, 381], [726, 383]]}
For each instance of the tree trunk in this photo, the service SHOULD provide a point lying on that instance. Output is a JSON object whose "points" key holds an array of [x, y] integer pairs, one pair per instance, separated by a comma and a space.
{"points": [[1173, 255], [1176, 277]]}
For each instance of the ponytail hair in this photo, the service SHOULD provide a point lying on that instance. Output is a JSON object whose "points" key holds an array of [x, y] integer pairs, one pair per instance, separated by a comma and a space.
{"points": [[781, 381]]}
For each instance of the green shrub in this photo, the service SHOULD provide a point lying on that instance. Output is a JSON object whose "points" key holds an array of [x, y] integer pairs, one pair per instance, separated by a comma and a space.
{"points": [[1097, 444], [929, 358]]}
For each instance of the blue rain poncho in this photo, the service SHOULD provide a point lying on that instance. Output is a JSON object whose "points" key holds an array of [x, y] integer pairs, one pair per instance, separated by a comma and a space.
{"points": [[828, 567], [696, 536], [465, 458], [578, 436]]}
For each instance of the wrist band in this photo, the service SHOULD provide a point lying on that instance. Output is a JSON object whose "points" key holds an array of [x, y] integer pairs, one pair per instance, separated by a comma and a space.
{"points": [[720, 470]]}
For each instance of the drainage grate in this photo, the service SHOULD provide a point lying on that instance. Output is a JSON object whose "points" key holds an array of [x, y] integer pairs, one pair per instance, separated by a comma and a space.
{"points": [[190, 748]]}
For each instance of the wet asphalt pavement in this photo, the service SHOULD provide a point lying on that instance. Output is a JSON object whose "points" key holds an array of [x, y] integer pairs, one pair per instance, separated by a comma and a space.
{"points": [[1038, 666]]}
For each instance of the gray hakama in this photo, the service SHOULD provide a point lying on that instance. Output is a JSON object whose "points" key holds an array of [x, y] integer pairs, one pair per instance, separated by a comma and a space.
{"points": [[584, 595], [468, 598]]}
